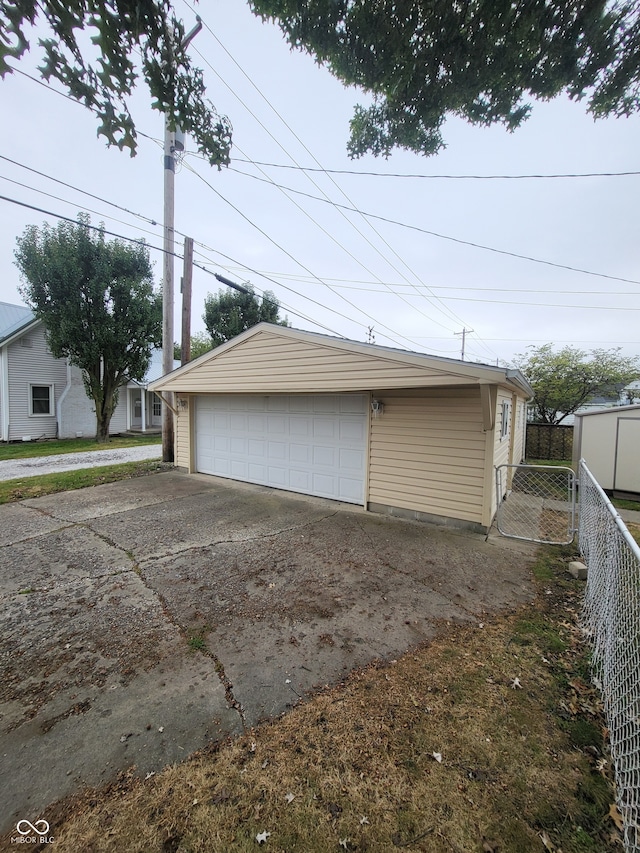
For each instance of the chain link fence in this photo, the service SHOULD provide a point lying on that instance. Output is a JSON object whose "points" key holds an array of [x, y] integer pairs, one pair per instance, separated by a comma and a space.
{"points": [[611, 618], [538, 503]]}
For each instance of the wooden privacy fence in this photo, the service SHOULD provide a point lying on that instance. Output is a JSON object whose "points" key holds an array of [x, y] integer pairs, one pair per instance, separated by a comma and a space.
{"points": [[549, 441]]}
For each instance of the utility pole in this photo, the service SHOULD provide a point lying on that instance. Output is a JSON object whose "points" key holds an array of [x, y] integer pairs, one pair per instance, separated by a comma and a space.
{"points": [[167, 284], [187, 277], [464, 334]]}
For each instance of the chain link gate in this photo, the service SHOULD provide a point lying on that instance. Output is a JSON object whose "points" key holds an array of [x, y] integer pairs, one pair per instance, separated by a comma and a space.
{"points": [[538, 503]]}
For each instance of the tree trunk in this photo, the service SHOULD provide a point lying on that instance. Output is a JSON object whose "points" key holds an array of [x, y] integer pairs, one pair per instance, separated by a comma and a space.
{"points": [[102, 431], [104, 411]]}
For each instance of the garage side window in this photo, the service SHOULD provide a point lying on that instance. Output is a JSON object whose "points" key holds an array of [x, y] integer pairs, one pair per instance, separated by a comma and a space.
{"points": [[504, 425], [40, 400]]}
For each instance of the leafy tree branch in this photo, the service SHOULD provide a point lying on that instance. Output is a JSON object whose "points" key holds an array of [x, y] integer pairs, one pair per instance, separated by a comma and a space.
{"points": [[99, 49], [481, 60]]}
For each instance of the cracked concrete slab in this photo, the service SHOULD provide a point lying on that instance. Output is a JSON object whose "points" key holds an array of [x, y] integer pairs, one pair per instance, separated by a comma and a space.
{"points": [[143, 620]]}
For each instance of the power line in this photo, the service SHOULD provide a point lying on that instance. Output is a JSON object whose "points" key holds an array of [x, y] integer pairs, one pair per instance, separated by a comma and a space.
{"points": [[146, 245], [146, 219], [74, 204], [448, 237], [356, 284], [437, 177], [299, 263], [377, 233], [78, 189]]}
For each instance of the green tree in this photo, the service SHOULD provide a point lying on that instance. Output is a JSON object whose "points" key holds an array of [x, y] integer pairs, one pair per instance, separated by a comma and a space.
{"points": [[98, 305], [565, 380], [200, 343], [227, 314], [480, 60], [92, 50]]}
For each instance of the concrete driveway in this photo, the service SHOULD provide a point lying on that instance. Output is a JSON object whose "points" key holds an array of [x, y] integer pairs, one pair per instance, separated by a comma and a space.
{"points": [[142, 620]]}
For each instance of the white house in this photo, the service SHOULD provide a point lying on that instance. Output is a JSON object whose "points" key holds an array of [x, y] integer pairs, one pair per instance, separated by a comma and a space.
{"points": [[44, 397]]}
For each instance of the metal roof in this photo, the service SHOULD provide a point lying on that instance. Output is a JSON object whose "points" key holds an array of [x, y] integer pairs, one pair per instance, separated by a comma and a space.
{"points": [[13, 318]]}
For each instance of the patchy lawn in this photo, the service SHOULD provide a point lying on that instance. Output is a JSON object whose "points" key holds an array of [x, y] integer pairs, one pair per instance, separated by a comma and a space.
{"points": [[63, 481], [487, 739], [53, 447]]}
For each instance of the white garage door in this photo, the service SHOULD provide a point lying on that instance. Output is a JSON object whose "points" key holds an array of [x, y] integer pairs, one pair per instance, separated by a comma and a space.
{"points": [[313, 444]]}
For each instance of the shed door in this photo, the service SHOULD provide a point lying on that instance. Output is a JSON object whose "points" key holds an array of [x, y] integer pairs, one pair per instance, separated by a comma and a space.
{"points": [[314, 444], [627, 471]]}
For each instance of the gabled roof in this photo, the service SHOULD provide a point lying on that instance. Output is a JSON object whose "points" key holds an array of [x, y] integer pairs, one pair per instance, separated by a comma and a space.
{"points": [[13, 318], [278, 359]]}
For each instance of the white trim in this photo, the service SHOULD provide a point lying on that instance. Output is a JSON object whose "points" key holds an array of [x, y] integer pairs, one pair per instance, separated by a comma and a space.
{"points": [[52, 399], [4, 394]]}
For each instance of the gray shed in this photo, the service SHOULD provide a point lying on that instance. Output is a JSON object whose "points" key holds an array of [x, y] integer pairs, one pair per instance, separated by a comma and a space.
{"points": [[609, 442]]}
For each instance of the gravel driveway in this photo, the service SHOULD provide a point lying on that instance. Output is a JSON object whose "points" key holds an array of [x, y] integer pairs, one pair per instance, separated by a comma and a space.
{"points": [[13, 469], [145, 619]]}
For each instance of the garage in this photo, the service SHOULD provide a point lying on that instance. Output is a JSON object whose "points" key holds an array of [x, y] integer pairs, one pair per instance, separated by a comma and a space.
{"points": [[314, 444], [395, 432]]}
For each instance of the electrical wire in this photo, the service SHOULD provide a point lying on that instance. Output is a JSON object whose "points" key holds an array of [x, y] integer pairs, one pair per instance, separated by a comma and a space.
{"points": [[299, 263], [348, 301], [456, 239], [437, 177], [380, 237]]}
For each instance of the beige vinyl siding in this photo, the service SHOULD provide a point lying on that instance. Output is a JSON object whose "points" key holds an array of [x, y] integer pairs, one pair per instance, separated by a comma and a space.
{"points": [[427, 452], [29, 362], [520, 428], [182, 421], [501, 447], [268, 364]]}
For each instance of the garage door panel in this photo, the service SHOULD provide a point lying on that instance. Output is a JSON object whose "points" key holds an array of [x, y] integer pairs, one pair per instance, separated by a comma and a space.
{"points": [[313, 444], [277, 476], [299, 427], [351, 460], [324, 428], [351, 490], [326, 403], [277, 450], [323, 485], [256, 447], [255, 472], [300, 453], [257, 423], [239, 446], [277, 424], [325, 456], [351, 431], [221, 466], [300, 481]]}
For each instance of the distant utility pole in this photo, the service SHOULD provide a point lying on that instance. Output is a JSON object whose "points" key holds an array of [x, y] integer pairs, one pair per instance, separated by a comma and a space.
{"points": [[170, 147], [371, 338], [464, 334]]}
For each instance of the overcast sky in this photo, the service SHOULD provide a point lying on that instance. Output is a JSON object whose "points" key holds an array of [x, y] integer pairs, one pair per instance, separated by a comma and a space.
{"points": [[338, 271]]}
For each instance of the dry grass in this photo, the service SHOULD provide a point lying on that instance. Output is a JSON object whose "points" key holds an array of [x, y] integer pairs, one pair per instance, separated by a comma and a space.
{"points": [[634, 530], [506, 707]]}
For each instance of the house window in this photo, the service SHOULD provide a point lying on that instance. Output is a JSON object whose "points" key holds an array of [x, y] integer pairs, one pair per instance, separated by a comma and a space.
{"points": [[504, 425], [40, 400], [157, 407]]}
